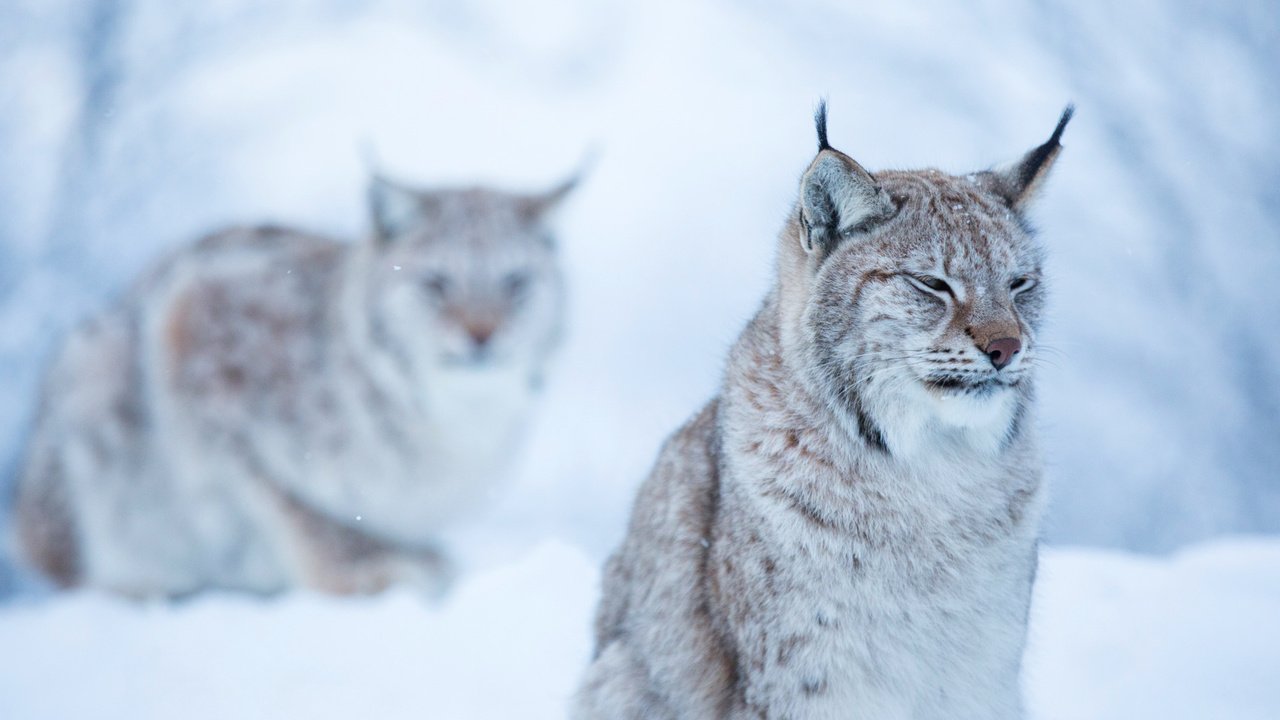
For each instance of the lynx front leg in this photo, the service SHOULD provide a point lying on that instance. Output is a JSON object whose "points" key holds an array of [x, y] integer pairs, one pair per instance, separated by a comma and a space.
{"points": [[617, 686], [337, 558]]}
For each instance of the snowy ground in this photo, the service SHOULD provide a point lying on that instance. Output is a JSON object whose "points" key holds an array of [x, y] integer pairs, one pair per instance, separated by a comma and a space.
{"points": [[1193, 636]]}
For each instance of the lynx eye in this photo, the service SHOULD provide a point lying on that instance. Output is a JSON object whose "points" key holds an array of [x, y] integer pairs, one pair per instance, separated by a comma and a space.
{"points": [[437, 285], [515, 285], [931, 283], [1022, 283]]}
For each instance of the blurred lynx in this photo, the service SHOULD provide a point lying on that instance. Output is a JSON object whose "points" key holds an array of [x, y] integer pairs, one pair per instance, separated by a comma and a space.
{"points": [[269, 409], [849, 530]]}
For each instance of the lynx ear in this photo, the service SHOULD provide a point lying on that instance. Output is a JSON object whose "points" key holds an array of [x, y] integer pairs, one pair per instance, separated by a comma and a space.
{"points": [[537, 208], [837, 195], [394, 207], [1017, 183]]}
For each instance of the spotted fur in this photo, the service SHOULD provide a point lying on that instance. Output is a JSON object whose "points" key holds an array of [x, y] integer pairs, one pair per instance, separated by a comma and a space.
{"points": [[849, 530], [269, 409]]}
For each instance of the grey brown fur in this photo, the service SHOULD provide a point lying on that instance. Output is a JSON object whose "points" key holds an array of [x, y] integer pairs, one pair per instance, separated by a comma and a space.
{"points": [[269, 409], [849, 530]]}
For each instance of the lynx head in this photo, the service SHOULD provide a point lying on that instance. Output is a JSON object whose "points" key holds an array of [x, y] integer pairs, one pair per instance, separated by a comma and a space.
{"points": [[913, 300], [465, 278]]}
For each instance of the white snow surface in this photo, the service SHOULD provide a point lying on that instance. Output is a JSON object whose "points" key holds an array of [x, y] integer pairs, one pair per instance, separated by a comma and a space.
{"points": [[1160, 409], [1113, 636]]}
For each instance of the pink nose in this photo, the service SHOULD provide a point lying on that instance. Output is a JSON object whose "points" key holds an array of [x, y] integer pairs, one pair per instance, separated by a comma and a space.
{"points": [[1001, 351], [480, 334]]}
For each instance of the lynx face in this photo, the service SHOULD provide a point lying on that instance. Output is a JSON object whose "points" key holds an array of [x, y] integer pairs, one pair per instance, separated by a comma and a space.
{"points": [[467, 279], [926, 295]]}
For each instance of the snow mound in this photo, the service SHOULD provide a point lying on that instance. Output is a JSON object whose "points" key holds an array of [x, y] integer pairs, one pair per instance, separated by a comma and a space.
{"points": [[1196, 635], [506, 644], [1121, 636]]}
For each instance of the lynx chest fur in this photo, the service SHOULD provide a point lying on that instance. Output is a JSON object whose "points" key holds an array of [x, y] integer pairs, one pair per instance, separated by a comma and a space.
{"points": [[850, 529], [896, 586], [269, 409]]}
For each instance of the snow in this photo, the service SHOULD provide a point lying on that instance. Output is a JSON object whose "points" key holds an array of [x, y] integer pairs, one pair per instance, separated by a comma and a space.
{"points": [[1113, 636], [1195, 635], [507, 643], [1160, 405]]}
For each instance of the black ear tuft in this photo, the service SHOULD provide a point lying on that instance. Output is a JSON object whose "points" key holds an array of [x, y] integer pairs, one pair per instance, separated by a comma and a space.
{"points": [[1018, 182], [1034, 163], [820, 121], [1062, 122]]}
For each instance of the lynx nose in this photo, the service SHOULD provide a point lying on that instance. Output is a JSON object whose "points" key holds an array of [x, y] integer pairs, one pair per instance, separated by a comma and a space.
{"points": [[480, 334], [1002, 350]]}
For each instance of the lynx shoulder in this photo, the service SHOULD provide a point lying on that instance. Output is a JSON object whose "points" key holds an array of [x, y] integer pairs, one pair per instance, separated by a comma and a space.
{"points": [[267, 409], [850, 528]]}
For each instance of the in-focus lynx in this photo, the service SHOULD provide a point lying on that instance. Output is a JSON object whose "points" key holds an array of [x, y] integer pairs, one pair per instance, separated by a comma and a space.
{"points": [[849, 530], [269, 409]]}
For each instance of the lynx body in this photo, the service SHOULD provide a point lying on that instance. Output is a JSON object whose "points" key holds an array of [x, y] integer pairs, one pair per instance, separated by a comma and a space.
{"points": [[269, 409], [849, 530]]}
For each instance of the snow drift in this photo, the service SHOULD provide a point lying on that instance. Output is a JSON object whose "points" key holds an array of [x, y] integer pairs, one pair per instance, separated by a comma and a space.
{"points": [[1113, 636]]}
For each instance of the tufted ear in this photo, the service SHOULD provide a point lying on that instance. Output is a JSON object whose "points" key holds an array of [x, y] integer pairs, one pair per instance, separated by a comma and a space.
{"points": [[838, 196], [1018, 182], [538, 208], [394, 207]]}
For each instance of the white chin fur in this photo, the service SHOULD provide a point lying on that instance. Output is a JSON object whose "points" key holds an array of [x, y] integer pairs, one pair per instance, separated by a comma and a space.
{"points": [[920, 421], [984, 411]]}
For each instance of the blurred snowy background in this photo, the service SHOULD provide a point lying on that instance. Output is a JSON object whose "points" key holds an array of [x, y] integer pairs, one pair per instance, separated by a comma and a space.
{"points": [[131, 126]]}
